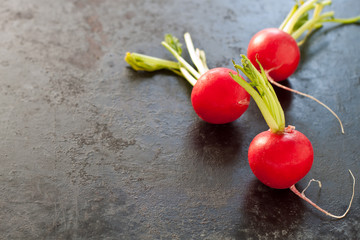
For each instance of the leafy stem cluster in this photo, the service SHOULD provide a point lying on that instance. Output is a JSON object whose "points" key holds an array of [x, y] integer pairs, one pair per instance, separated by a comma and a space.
{"points": [[298, 22], [262, 92], [141, 62]]}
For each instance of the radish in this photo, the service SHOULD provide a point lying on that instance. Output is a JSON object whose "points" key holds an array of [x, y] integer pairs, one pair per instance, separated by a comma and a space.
{"points": [[280, 156], [277, 49], [215, 97]]}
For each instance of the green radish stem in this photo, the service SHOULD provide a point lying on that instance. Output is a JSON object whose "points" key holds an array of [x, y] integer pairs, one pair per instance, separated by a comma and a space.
{"points": [[297, 22], [182, 61], [288, 17], [264, 95], [141, 62], [309, 25], [195, 57], [294, 18]]}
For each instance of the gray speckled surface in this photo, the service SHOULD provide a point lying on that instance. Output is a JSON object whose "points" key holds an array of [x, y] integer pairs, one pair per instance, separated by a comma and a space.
{"points": [[91, 149]]}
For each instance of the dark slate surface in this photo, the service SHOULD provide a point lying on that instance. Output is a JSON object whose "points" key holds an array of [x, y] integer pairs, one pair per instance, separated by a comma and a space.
{"points": [[91, 149]]}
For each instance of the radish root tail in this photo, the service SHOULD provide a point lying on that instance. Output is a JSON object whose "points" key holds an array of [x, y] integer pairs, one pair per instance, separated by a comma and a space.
{"points": [[308, 96], [312, 180], [302, 196]]}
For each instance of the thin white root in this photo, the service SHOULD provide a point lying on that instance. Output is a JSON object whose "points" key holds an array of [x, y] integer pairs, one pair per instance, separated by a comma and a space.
{"points": [[312, 180], [302, 196], [308, 96]]}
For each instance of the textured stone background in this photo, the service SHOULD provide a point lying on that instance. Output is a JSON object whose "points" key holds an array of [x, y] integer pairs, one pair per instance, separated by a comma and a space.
{"points": [[91, 149]]}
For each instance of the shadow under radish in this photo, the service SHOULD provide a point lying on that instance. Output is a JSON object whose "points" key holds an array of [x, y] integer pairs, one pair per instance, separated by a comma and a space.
{"points": [[215, 144], [212, 162], [269, 213]]}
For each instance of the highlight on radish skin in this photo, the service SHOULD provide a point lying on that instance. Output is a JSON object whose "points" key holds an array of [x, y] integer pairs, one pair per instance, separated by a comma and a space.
{"points": [[280, 156]]}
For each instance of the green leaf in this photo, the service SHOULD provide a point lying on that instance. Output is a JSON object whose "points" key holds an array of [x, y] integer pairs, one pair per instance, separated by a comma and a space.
{"points": [[174, 43]]}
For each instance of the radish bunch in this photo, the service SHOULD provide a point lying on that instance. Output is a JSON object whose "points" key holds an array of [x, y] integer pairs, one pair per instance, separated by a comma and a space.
{"points": [[280, 156], [215, 97]]}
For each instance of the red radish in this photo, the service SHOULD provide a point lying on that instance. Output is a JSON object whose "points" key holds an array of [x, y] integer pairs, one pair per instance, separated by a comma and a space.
{"points": [[277, 48], [215, 97], [272, 167], [278, 157]]}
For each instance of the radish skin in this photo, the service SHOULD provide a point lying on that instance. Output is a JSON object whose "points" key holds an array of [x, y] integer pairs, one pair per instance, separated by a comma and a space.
{"points": [[287, 159], [217, 98], [276, 50]]}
